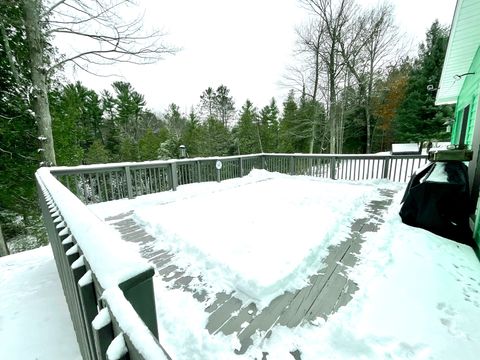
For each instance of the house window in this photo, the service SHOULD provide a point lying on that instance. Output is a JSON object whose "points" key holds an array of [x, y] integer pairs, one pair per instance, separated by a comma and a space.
{"points": [[463, 129]]}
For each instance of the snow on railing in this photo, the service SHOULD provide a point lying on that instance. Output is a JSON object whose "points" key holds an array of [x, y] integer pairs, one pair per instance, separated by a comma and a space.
{"points": [[95, 238], [108, 287]]}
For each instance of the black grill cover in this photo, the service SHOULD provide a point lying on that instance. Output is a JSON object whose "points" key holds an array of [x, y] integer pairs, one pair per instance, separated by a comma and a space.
{"points": [[441, 207]]}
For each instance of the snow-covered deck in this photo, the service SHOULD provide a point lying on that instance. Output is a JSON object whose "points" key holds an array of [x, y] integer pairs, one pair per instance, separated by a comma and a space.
{"points": [[326, 291], [372, 287]]}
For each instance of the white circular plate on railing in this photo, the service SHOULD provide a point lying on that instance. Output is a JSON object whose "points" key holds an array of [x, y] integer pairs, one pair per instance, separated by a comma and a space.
{"points": [[218, 165]]}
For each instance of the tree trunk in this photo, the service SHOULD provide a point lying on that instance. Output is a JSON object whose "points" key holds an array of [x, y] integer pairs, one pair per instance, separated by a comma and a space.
{"points": [[367, 120], [368, 102], [259, 138], [312, 138], [3, 245], [315, 90], [331, 115], [39, 82]]}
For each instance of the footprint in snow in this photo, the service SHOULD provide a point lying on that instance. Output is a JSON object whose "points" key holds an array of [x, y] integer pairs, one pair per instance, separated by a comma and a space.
{"points": [[448, 320]]}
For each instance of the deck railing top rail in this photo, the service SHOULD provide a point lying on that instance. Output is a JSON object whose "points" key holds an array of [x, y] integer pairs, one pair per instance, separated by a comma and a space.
{"points": [[64, 170], [107, 286], [95, 238], [105, 182]]}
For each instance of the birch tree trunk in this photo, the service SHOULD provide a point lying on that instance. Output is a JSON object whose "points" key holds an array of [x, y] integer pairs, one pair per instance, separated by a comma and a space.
{"points": [[38, 69]]}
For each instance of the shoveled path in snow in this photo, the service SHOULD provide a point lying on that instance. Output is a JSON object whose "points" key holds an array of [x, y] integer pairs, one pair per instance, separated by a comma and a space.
{"points": [[327, 291]]}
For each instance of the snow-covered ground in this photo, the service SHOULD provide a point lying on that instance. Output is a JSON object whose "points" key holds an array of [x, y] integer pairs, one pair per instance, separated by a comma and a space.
{"points": [[418, 297], [34, 319]]}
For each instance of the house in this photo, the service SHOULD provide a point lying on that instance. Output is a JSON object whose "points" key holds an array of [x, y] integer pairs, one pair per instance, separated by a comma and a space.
{"points": [[460, 85]]}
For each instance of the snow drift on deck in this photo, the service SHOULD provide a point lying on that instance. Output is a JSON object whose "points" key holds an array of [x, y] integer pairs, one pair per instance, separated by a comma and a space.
{"points": [[259, 235]]}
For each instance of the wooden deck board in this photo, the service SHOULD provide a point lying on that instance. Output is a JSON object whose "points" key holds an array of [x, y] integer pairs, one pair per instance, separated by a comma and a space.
{"points": [[264, 320], [220, 299], [234, 324], [221, 315], [305, 298], [326, 292]]}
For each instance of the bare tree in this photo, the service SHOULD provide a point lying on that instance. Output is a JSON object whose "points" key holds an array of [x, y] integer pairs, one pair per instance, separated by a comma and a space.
{"points": [[366, 47], [344, 46], [107, 39], [310, 41], [322, 40]]}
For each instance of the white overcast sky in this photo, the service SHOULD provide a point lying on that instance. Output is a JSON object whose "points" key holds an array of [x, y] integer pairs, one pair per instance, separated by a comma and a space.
{"points": [[243, 44]]}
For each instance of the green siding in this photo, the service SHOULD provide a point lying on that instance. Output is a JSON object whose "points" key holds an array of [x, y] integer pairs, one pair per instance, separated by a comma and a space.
{"points": [[456, 127], [468, 96]]}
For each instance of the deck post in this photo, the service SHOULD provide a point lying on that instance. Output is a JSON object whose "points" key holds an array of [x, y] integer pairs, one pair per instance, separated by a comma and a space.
{"points": [[173, 175], [333, 168], [240, 160], [139, 292], [386, 165], [199, 171], [128, 178]]}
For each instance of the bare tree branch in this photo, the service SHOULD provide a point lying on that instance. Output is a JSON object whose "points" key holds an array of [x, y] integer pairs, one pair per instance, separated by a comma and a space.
{"points": [[53, 7], [19, 155], [111, 40]]}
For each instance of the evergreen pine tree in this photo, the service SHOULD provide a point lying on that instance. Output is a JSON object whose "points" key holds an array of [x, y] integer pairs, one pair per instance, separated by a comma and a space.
{"points": [[148, 146], [269, 127], [418, 118], [248, 130], [193, 135], [287, 123], [217, 138], [97, 153]]}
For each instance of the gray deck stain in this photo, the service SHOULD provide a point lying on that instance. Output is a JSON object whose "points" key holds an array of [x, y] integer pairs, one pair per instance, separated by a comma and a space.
{"points": [[325, 293]]}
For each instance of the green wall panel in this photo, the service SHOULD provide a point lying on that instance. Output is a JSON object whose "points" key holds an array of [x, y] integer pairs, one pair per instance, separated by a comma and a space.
{"points": [[468, 96]]}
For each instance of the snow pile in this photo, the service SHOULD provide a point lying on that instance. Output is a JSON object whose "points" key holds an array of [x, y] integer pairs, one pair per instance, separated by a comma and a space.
{"points": [[259, 238], [33, 312], [95, 238]]}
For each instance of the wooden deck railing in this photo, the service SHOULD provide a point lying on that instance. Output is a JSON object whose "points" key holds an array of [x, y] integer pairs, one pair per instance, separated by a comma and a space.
{"points": [[112, 302], [98, 183], [109, 295]]}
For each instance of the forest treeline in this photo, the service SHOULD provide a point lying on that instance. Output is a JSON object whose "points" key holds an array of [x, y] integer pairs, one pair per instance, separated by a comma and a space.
{"points": [[353, 89], [116, 124]]}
